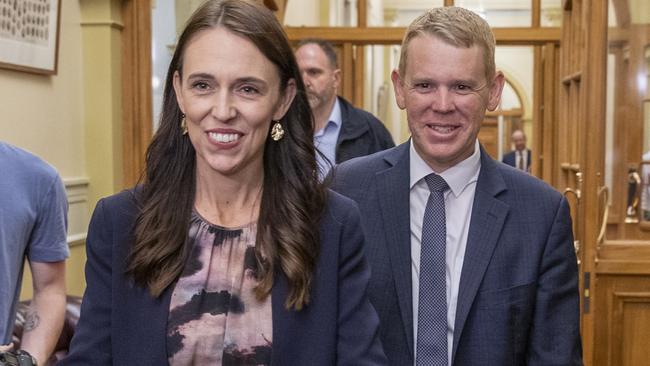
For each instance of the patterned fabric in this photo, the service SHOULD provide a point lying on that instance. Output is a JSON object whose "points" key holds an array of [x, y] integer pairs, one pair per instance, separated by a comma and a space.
{"points": [[432, 312], [214, 317]]}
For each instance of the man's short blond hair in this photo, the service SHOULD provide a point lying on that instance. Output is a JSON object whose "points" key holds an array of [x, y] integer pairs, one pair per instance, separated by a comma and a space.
{"points": [[456, 26]]}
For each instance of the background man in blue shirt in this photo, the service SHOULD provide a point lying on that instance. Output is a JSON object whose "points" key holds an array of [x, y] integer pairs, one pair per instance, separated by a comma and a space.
{"points": [[342, 131]]}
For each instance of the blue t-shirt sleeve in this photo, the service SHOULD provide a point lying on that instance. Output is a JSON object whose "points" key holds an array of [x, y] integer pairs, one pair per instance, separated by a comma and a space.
{"points": [[48, 240]]}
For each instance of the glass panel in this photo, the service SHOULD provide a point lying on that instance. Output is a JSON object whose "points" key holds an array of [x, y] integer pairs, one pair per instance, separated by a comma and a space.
{"points": [[397, 13], [645, 191], [551, 13], [640, 11], [163, 38], [169, 17], [321, 13], [501, 13], [628, 98], [611, 15], [515, 111], [645, 159], [379, 95]]}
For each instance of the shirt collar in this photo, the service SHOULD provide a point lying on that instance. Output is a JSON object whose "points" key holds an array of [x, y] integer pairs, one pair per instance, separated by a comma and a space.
{"points": [[335, 118], [458, 177]]}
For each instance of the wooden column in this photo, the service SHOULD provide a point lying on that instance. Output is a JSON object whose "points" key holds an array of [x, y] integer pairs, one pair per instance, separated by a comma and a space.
{"points": [[136, 79]]}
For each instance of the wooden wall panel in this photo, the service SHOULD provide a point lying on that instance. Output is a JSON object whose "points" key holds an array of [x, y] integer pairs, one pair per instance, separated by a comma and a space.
{"points": [[624, 330], [632, 328], [489, 137]]}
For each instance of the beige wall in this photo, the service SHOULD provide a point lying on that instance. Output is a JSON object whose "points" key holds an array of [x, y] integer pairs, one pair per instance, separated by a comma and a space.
{"points": [[73, 119], [45, 115]]}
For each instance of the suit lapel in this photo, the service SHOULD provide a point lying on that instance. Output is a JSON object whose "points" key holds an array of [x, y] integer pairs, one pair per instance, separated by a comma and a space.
{"points": [[488, 217], [393, 197]]}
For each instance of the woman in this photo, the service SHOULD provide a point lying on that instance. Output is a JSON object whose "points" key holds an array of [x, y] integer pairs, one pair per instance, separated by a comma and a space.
{"points": [[230, 252]]}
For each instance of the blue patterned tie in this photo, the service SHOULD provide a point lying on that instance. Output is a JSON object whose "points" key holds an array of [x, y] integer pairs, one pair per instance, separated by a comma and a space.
{"points": [[432, 304]]}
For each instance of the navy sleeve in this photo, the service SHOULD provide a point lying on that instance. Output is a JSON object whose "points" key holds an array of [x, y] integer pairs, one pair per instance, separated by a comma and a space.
{"points": [[358, 323], [91, 344], [554, 337]]}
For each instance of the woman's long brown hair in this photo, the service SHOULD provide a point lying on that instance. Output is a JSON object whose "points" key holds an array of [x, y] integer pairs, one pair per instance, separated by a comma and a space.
{"points": [[292, 202]]}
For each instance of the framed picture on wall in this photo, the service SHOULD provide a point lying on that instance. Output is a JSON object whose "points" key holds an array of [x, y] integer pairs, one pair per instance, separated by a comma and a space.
{"points": [[29, 35]]}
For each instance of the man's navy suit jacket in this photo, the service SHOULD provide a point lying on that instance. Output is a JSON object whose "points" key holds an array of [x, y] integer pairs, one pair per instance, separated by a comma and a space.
{"points": [[121, 324], [518, 301], [511, 159]]}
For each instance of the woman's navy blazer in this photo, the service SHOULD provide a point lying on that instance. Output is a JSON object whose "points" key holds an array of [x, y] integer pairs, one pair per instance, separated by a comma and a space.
{"points": [[121, 324]]}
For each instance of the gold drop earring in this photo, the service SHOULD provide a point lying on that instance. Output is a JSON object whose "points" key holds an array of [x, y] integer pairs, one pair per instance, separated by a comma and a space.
{"points": [[183, 124], [277, 132]]}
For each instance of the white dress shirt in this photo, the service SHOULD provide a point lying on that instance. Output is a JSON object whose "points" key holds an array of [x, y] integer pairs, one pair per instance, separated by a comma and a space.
{"points": [[461, 179], [521, 159]]}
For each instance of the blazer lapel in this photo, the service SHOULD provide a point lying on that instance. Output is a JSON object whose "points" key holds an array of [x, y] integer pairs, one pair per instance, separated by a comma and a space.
{"points": [[393, 196], [488, 217]]}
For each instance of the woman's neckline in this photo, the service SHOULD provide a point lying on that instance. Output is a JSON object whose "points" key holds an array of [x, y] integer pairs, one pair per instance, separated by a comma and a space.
{"points": [[221, 227]]}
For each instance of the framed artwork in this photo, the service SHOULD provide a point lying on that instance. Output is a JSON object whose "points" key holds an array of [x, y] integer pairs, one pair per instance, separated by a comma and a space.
{"points": [[29, 35]]}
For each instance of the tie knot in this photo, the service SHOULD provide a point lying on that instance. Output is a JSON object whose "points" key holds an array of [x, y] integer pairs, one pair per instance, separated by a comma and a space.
{"points": [[436, 183]]}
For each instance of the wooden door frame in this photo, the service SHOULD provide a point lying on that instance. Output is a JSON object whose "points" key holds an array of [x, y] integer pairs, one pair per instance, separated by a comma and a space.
{"points": [[136, 65], [594, 84], [137, 95]]}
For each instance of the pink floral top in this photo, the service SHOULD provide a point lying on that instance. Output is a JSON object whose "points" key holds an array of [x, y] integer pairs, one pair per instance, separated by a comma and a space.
{"points": [[214, 317]]}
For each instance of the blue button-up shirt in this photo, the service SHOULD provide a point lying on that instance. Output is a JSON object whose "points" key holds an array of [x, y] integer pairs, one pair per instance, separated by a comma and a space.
{"points": [[325, 140]]}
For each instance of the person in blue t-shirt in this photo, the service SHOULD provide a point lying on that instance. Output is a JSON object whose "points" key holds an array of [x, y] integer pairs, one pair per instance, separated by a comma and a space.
{"points": [[33, 223]]}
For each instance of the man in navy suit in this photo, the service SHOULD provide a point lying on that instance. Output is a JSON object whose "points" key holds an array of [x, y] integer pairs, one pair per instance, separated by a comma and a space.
{"points": [[510, 287], [520, 156]]}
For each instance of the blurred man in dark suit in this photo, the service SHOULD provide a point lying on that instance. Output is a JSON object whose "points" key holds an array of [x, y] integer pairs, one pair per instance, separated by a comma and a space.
{"points": [[520, 156]]}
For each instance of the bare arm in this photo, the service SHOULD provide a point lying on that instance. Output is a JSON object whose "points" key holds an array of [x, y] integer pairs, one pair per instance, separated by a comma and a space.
{"points": [[44, 319]]}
